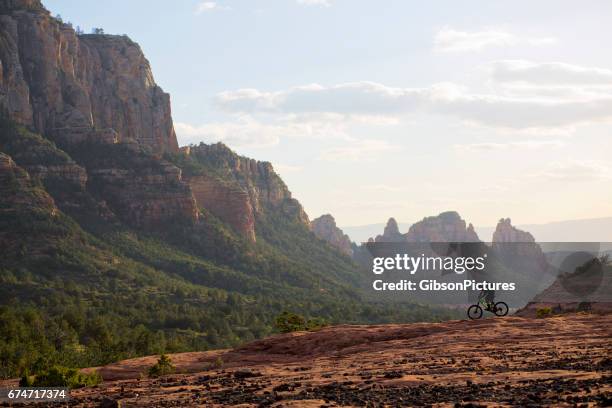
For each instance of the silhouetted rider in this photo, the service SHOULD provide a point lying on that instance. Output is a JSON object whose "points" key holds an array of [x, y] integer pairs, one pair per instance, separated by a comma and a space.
{"points": [[488, 296]]}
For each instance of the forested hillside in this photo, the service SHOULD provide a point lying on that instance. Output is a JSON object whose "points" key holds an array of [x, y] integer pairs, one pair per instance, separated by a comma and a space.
{"points": [[115, 242]]}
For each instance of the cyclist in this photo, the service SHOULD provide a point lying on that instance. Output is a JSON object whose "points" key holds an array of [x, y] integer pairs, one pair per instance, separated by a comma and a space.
{"points": [[489, 297]]}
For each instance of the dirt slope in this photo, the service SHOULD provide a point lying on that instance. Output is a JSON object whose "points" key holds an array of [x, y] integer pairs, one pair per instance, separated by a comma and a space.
{"points": [[559, 361]]}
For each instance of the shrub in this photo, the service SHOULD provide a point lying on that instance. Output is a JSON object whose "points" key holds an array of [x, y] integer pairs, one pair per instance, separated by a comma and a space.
{"points": [[163, 366], [543, 312], [58, 376], [218, 363], [288, 322]]}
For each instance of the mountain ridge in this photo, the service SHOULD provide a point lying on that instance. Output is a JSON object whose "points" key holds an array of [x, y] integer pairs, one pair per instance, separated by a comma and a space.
{"points": [[107, 251], [585, 230]]}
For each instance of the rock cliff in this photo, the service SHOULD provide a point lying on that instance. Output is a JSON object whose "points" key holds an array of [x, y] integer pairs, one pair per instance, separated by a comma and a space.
{"points": [[391, 233], [445, 227], [513, 243], [506, 232], [230, 203], [265, 189], [325, 228], [18, 191], [142, 190], [71, 87], [516, 246], [23, 207]]}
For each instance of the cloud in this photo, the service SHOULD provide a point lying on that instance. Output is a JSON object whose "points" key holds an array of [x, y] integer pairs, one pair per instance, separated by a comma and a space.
{"points": [[208, 6], [242, 133], [374, 99], [248, 131], [347, 98], [521, 145], [522, 113], [385, 188], [575, 171], [450, 40], [286, 168], [323, 3], [549, 73], [358, 150]]}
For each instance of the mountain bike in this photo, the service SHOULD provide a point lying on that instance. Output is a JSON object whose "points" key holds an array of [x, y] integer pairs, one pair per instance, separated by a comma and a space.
{"points": [[498, 309]]}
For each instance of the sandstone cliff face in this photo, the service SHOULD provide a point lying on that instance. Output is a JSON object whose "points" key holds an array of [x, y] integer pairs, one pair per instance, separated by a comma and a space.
{"points": [[506, 232], [142, 191], [73, 88], [391, 233], [18, 192], [264, 187], [515, 246], [325, 228], [95, 96], [229, 203], [445, 227]]}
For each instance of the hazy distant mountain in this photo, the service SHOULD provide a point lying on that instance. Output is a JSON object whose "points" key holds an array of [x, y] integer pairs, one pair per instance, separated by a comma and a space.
{"points": [[361, 233], [588, 230]]}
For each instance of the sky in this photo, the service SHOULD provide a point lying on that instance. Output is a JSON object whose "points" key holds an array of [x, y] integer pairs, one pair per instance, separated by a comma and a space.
{"points": [[372, 109]]}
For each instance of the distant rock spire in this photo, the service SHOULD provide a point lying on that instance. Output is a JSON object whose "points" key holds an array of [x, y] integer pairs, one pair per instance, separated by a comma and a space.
{"points": [[445, 227], [506, 232], [325, 228], [391, 232]]}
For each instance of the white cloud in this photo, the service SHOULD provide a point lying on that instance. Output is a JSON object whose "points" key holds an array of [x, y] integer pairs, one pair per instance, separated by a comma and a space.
{"points": [[374, 99], [450, 40], [549, 73], [286, 168], [208, 6], [385, 188], [368, 98], [523, 113], [575, 171], [242, 133], [520, 145], [358, 150], [246, 130], [323, 3]]}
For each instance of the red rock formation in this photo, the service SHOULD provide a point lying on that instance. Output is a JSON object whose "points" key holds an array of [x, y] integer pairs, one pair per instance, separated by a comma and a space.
{"points": [[65, 173], [325, 228], [144, 192], [445, 227], [73, 87], [515, 246], [17, 190], [265, 188], [510, 241], [506, 232], [391, 233], [225, 201]]}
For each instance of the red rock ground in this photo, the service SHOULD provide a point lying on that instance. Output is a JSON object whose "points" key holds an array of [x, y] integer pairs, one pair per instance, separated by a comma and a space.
{"points": [[512, 361]]}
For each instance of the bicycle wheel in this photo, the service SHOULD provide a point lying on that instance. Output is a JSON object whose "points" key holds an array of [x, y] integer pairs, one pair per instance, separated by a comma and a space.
{"points": [[474, 312], [501, 309]]}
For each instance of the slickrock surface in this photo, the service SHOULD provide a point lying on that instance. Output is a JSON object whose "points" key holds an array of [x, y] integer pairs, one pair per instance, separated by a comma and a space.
{"points": [[513, 361]]}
